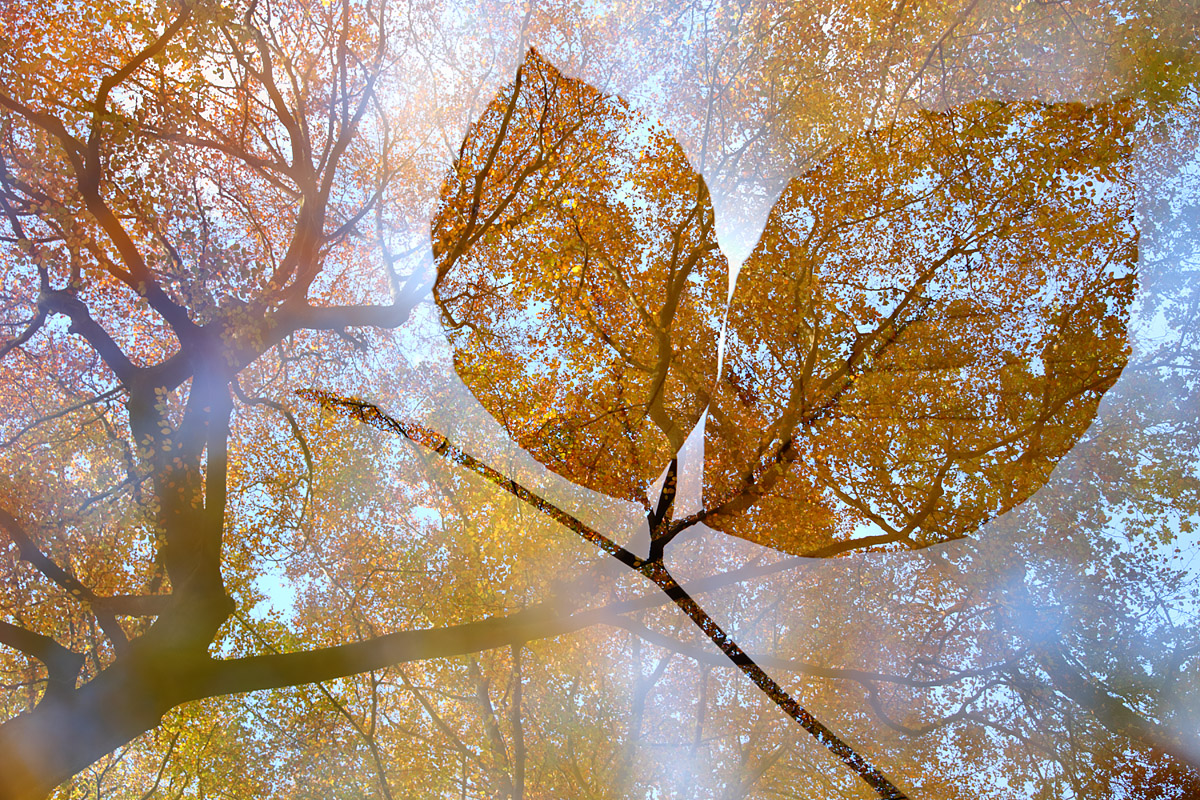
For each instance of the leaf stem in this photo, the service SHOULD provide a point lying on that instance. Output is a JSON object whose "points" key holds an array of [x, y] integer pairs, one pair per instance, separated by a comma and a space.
{"points": [[653, 569]]}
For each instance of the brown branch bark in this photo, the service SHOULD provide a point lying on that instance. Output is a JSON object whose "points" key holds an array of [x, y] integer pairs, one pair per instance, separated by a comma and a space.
{"points": [[62, 665], [654, 569], [32, 554]]}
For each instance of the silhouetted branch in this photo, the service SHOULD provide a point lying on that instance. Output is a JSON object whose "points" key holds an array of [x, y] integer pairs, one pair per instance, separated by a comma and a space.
{"points": [[370, 414], [31, 553], [62, 665]]}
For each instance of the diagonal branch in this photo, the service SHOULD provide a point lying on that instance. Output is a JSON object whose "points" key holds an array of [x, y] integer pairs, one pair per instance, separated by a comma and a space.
{"points": [[370, 414], [1111, 710], [68, 304], [33, 327], [62, 665], [31, 553]]}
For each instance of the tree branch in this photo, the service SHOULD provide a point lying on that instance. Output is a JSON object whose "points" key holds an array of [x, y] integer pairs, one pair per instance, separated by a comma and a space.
{"points": [[62, 665], [1111, 711], [654, 570], [68, 304], [45, 565], [292, 669], [370, 414]]}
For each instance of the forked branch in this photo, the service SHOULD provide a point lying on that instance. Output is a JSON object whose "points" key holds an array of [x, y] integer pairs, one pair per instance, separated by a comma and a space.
{"points": [[653, 569]]}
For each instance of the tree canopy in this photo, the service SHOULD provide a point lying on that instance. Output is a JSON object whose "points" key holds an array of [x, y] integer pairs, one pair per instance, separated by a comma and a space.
{"points": [[716, 361]]}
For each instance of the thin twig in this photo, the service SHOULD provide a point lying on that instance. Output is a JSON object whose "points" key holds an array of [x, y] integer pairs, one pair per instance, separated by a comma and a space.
{"points": [[370, 414]]}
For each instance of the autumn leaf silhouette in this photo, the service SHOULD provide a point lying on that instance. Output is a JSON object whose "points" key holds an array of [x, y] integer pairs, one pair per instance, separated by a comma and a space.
{"points": [[580, 280], [924, 329], [926, 326]]}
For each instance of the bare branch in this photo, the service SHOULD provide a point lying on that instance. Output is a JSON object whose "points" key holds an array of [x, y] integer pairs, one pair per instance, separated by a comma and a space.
{"points": [[62, 665], [44, 564], [371, 415]]}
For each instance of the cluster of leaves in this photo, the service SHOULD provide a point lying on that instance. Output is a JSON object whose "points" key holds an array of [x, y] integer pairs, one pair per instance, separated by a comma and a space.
{"points": [[207, 205], [582, 288]]}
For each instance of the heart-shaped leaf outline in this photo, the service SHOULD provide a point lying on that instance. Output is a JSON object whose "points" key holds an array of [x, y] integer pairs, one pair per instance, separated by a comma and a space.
{"points": [[580, 284]]}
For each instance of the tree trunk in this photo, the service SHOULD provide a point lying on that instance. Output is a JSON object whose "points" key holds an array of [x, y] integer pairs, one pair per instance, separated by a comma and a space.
{"points": [[67, 732]]}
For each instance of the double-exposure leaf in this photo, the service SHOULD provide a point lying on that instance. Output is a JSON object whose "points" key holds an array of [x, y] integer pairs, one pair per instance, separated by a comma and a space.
{"points": [[925, 328], [580, 281]]}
